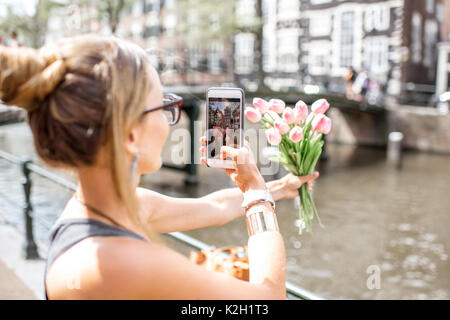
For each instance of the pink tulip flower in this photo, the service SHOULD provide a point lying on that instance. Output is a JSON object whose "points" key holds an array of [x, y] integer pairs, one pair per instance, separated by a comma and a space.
{"points": [[272, 116], [296, 134], [282, 126], [320, 106], [289, 115], [277, 105], [321, 123], [261, 105], [310, 117], [252, 114], [273, 136], [300, 112]]}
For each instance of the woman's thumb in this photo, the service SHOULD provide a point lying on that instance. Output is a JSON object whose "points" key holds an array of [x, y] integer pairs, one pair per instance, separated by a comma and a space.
{"points": [[309, 177]]}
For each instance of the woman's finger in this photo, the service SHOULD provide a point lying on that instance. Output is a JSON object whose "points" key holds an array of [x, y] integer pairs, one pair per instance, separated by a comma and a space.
{"points": [[203, 140], [203, 149], [203, 160], [310, 177], [226, 151]]}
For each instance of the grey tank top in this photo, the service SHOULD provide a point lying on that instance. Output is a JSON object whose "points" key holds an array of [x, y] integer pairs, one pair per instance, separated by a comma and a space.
{"points": [[68, 232]]}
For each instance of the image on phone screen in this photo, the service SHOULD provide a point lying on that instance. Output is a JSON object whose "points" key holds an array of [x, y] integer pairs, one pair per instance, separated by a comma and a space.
{"points": [[224, 124]]}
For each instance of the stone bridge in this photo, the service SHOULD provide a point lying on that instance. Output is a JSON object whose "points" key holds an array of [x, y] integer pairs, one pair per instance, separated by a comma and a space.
{"points": [[362, 124], [353, 122]]}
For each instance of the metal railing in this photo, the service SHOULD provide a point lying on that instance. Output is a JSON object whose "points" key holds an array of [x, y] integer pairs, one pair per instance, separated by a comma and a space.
{"points": [[30, 247]]}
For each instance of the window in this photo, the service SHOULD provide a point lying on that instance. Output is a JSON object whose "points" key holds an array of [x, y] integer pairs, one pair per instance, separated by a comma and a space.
{"points": [[440, 12], [155, 5], [319, 57], [347, 39], [243, 55], [136, 9], [376, 55], [288, 9], [245, 12], [431, 34], [377, 17], [136, 30], [269, 44], [430, 6], [269, 54], [319, 25], [153, 52], [382, 22], [416, 38], [288, 50], [170, 4], [214, 58], [170, 59], [170, 22], [194, 57], [245, 9]]}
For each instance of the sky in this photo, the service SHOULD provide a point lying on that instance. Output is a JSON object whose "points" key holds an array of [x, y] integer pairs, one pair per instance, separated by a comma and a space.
{"points": [[26, 6]]}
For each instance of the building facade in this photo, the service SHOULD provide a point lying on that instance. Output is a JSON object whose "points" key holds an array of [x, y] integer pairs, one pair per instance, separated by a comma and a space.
{"points": [[304, 42], [280, 45], [394, 41], [318, 41], [445, 30]]}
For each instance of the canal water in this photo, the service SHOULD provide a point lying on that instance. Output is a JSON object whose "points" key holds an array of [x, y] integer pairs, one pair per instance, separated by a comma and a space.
{"points": [[386, 231]]}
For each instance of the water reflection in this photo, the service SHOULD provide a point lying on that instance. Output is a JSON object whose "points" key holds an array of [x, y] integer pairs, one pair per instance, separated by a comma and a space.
{"points": [[373, 215]]}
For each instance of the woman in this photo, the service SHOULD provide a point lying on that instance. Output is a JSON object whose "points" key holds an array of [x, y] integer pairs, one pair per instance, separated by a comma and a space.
{"points": [[96, 106]]}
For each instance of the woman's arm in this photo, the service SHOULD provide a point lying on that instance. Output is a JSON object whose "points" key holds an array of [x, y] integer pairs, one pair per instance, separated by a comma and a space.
{"points": [[168, 214], [125, 268], [118, 268]]}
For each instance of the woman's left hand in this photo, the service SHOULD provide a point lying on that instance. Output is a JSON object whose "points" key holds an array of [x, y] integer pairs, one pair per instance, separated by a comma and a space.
{"points": [[287, 187]]}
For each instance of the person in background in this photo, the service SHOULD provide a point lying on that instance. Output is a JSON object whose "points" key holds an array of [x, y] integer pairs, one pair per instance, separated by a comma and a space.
{"points": [[361, 86], [349, 79], [14, 41]]}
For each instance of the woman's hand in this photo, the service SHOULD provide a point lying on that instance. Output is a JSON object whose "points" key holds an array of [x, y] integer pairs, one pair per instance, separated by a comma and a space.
{"points": [[246, 174], [284, 188], [287, 187]]}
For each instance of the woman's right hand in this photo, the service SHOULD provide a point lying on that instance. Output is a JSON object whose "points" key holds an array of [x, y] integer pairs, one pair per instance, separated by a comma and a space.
{"points": [[246, 174]]}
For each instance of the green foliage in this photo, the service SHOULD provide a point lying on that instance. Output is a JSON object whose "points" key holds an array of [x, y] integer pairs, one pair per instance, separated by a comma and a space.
{"points": [[203, 21], [31, 28], [300, 159], [109, 10]]}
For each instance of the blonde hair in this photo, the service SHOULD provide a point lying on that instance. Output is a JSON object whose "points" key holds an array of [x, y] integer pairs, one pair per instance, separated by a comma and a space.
{"points": [[84, 92]]}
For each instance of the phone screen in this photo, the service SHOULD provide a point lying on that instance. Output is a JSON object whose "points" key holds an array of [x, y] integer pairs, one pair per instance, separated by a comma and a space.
{"points": [[224, 125]]}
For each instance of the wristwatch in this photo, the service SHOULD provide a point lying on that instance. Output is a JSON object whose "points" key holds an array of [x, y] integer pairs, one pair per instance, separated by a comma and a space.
{"points": [[255, 196]]}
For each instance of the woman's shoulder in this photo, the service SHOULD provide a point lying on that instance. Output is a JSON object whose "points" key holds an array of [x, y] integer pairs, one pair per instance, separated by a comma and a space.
{"points": [[97, 266]]}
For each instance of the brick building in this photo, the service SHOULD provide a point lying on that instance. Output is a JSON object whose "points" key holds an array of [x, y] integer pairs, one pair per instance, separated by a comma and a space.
{"points": [[317, 41], [303, 42]]}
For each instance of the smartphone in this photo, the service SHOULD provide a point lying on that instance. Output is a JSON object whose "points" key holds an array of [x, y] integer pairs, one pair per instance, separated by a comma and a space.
{"points": [[224, 123]]}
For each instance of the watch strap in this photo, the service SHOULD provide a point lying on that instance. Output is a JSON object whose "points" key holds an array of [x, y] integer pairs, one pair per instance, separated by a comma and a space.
{"points": [[255, 196]]}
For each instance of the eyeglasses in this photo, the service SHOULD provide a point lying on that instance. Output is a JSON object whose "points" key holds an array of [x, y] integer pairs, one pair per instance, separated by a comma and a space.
{"points": [[171, 107]]}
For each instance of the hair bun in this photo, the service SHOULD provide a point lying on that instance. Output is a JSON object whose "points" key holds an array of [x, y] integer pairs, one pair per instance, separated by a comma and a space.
{"points": [[28, 76]]}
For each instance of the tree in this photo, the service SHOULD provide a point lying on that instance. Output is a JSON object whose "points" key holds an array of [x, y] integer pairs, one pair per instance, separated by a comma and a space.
{"points": [[33, 28], [109, 10], [202, 22]]}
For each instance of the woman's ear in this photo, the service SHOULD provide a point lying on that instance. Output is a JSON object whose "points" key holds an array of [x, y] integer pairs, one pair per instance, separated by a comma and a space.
{"points": [[131, 144]]}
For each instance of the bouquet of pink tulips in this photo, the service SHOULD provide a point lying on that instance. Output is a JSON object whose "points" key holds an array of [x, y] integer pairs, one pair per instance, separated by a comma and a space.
{"points": [[298, 134]]}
